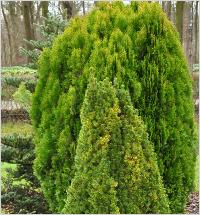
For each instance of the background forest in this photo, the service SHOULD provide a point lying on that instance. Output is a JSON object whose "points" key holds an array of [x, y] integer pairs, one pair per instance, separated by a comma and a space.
{"points": [[20, 21], [28, 27]]}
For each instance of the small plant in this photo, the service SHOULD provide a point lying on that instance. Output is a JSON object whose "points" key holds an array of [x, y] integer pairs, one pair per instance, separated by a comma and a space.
{"points": [[23, 96], [11, 77], [20, 188], [195, 67]]}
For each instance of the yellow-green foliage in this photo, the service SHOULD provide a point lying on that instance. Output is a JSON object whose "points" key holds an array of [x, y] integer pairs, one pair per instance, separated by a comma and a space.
{"points": [[139, 46], [115, 166], [21, 128], [23, 96]]}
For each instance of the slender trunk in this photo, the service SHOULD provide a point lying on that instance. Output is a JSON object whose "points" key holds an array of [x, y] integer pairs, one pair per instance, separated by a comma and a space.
{"points": [[37, 17], [27, 20], [69, 6], [167, 8], [96, 2], [83, 4], [196, 20], [4, 58], [27, 23], [31, 12], [9, 34], [179, 18], [14, 26], [45, 5], [186, 34], [173, 12], [163, 5]]}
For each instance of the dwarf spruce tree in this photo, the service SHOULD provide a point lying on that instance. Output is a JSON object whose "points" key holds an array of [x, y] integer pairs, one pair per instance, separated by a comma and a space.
{"points": [[115, 166], [93, 188], [137, 45]]}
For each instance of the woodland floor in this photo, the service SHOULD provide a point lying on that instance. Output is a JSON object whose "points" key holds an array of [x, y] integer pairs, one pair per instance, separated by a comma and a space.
{"points": [[193, 204]]}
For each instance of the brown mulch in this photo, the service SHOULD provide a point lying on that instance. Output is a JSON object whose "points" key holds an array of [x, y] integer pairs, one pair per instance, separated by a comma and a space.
{"points": [[192, 206]]}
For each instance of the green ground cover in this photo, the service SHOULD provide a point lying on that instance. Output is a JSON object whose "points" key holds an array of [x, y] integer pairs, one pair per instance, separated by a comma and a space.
{"points": [[21, 128], [18, 69]]}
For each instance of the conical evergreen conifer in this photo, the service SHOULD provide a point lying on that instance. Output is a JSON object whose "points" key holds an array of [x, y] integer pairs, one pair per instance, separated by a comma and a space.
{"points": [[115, 167], [137, 45], [93, 188]]}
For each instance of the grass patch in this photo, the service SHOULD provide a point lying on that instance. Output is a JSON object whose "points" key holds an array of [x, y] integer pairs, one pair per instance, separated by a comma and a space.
{"points": [[20, 128], [18, 69]]}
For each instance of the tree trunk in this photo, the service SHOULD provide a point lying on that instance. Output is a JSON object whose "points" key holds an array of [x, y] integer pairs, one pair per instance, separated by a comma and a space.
{"points": [[179, 18], [9, 34], [196, 33], [173, 12], [14, 26], [69, 6], [32, 11], [45, 5], [96, 2], [166, 6], [27, 22], [37, 15], [187, 32], [83, 4]]}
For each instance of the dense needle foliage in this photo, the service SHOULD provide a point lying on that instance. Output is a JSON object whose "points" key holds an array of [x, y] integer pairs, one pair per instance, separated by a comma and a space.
{"points": [[139, 46], [115, 166]]}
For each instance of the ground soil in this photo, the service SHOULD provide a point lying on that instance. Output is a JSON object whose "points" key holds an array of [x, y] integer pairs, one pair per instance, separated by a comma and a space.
{"points": [[193, 203]]}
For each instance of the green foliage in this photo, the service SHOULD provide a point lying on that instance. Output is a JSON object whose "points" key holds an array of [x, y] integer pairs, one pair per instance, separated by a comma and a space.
{"points": [[17, 141], [16, 81], [23, 96], [20, 193], [17, 155], [195, 68], [7, 91], [114, 163], [20, 188], [14, 129], [166, 103], [13, 76], [51, 27], [23, 200], [7, 172], [18, 70], [19, 150], [7, 180], [137, 45]]}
